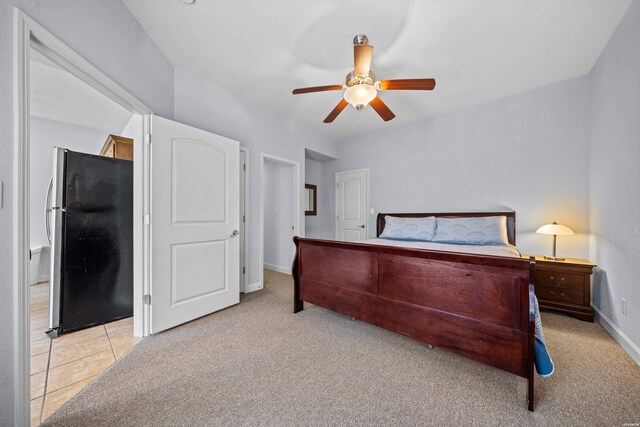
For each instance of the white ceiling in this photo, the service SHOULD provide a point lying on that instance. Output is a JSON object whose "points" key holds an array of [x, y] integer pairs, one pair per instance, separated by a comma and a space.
{"points": [[58, 95], [476, 50]]}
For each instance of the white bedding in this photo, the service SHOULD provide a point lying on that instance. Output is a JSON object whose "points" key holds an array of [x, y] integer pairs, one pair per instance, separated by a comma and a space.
{"points": [[497, 250]]}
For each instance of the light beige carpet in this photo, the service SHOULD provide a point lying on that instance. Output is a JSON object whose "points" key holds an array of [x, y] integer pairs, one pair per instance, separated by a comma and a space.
{"points": [[257, 363]]}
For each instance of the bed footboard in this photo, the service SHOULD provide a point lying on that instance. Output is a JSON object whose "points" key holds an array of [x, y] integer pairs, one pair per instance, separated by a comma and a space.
{"points": [[476, 306]]}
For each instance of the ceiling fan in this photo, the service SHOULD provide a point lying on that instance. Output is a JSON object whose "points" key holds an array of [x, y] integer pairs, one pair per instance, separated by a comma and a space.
{"points": [[361, 87]]}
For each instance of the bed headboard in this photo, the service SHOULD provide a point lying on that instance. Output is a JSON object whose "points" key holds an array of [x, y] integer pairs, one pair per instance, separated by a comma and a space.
{"points": [[511, 219]]}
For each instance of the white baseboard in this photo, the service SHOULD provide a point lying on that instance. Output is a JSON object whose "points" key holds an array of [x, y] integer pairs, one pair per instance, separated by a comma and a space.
{"points": [[43, 278], [253, 287], [278, 268], [629, 346]]}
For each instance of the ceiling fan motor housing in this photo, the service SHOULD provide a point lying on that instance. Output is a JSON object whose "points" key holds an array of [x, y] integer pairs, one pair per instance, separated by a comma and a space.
{"points": [[352, 79]]}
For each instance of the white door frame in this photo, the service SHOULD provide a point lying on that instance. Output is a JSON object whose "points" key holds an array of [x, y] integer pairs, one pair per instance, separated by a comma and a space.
{"points": [[28, 35], [245, 281], [297, 200], [366, 171]]}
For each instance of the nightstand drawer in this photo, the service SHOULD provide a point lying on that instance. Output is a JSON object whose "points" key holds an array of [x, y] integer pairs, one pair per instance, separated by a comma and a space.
{"points": [[559, 295], [556, 279]]}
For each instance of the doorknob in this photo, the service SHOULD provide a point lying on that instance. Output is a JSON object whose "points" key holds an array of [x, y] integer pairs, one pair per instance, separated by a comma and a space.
{"points": [[361, 226], [234, 234]]}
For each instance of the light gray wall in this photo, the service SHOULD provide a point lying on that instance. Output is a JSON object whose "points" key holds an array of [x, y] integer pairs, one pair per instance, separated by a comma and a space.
{"points": [[217, 110], [278, 215], [106, 35], [321, 174], [45, 135], [614, 169], [526, 152]]}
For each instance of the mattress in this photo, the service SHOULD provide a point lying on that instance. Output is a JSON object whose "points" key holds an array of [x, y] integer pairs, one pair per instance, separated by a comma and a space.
{"points": [[496, 250]]}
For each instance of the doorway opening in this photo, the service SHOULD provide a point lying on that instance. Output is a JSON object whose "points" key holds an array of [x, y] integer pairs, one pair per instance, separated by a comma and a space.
{"points": [[279, 213], [81, 234], [319, 171], [49, 80]]}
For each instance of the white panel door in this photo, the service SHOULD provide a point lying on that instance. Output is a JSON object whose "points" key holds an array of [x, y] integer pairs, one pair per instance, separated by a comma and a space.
{"points": [[351, 205], [195, 247]]}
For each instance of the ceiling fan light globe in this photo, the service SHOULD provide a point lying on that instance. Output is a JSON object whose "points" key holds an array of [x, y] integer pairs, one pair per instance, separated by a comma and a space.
{"points": [[360, 95]]}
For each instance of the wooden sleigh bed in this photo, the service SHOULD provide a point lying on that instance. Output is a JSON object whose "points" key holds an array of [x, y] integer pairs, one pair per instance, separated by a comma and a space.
{"points": [[478, 306]]}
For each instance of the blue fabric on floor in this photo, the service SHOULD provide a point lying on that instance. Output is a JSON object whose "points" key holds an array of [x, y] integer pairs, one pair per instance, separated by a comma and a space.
{"points": [[542, 359], [543, 362]]}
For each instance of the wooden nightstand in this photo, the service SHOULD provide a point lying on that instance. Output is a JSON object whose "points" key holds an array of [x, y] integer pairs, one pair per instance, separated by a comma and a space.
{"points": [[564, 286]]}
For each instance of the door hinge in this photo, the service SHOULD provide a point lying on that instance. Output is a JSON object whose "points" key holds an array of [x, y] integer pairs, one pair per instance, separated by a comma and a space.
{"points": [[244, 166], [337, 185], [147, 138], [243, 270], [243, 219], [147, 299], [147, 219]]}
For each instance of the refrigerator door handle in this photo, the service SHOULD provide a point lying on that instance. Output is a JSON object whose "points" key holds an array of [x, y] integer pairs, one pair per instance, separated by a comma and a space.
{"points": [[47, 211]]}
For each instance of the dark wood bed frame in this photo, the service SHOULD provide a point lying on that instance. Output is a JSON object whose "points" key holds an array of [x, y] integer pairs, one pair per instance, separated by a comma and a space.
{"points": [[478, 306]]}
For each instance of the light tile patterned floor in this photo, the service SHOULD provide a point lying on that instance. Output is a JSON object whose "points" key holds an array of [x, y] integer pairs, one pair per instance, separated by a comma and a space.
{"points": [[62, 367]]}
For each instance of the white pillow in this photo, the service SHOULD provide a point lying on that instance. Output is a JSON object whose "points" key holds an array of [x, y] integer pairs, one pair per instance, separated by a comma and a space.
{"points": [[398, 228], [483, 230]]}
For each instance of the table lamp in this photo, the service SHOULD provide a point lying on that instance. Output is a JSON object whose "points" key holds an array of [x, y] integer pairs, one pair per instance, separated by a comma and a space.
{"points": [[555, 230]]}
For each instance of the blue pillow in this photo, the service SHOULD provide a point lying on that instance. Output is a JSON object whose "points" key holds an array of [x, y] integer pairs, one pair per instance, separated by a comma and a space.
{"points": [[396, 228], [483, 230]]}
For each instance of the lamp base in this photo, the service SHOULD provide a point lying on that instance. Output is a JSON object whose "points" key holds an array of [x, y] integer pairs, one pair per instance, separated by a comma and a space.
{"points": [[553, 258]]}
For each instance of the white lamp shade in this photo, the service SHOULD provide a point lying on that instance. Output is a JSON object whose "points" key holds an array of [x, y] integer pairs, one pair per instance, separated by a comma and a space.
{"points": [[555, 229], [361, 94]]}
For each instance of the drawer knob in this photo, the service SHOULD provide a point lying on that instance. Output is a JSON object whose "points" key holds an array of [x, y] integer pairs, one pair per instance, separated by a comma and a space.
{"points": [[562, 279], [552, 278]]}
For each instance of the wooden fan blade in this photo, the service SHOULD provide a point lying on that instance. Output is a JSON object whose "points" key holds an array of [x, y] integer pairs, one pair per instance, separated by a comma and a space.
{"points": [[362, 54], [333, 114], [316, 89], [407, 84], [382, 109]]}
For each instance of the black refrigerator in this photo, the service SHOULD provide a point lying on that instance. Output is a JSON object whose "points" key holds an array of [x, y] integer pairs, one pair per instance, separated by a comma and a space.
{"points": [[90, 223]]}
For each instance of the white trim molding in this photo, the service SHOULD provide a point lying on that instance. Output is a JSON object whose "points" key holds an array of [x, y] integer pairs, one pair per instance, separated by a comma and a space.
{"points": [[22, 26], [285, 270], [28, 35], [629, 346], [246, 219], [297, 200], [253, 287]]}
